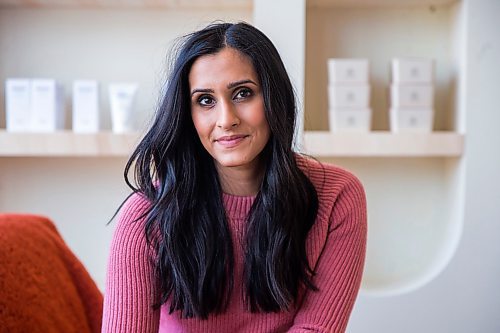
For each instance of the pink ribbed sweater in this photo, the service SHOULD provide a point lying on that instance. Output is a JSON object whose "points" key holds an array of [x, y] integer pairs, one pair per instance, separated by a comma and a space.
{"points": [[335, 246]]}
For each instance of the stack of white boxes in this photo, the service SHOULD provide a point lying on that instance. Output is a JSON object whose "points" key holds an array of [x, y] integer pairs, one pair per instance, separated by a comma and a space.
{"points": [[35, 105], [349, 95], [412, 95]]}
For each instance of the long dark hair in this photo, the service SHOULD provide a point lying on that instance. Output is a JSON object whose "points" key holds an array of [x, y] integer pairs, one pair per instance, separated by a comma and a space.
{"points": [[187, 223]]}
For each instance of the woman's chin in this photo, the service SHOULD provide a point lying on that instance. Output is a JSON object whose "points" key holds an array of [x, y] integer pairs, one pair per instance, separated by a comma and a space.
{"points": [[232, 163], [235, 162]]}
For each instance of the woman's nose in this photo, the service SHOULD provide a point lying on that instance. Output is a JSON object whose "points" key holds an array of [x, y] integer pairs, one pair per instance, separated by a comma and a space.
{"points": [[227, 115]]}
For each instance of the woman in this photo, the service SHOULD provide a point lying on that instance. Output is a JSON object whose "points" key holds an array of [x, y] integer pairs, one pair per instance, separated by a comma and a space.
{"points": [[229, 230]]}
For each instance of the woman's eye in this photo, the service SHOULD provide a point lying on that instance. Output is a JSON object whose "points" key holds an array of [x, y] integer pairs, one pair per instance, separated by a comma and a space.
{"points": [[243, 93], [205, 101]]}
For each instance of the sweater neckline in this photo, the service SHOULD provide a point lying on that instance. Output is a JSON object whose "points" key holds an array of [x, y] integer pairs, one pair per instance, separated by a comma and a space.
{"points": [[237, 207]]}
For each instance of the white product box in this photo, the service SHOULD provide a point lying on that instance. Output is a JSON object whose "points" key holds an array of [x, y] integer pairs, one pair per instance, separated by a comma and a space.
{"points": [[411, 119], [348, 96], [412, 95], [17, 105], [342, 119], [412, 70], [347, 70], [85, 106], [47, 105]]}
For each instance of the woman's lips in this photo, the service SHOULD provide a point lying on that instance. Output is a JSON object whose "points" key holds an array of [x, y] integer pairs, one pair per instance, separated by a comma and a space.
{"points": [[230, 141]]}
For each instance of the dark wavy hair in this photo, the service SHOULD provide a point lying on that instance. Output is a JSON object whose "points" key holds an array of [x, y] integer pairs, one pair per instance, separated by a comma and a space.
{"points": [[187, 223]]}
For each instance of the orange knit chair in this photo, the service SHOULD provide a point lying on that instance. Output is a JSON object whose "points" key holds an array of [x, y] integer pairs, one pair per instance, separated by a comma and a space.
{"points": [[43, 286]]}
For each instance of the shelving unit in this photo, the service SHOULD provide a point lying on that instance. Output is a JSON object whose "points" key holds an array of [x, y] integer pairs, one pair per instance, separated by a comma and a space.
{"points": [[380, 31], [66, 144], [383, 144], [319, 144], [414, 182]]}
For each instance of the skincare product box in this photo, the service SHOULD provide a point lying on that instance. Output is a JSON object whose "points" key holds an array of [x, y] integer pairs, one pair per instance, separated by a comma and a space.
{"points": [[122, 99], [411, 119], [412, 70], [47, 105], [348, 70], [349, 95], [85, 106], [17, 105], [34, 105], [352, 120], [412, 95]]}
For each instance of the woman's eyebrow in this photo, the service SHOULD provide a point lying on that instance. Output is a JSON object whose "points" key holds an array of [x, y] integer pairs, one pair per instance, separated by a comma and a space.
{"points": [[229, 86], [237, 83], [201, 90]]}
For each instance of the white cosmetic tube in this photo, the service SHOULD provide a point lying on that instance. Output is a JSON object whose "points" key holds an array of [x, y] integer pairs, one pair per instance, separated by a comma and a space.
{"points": [[122, 98]]}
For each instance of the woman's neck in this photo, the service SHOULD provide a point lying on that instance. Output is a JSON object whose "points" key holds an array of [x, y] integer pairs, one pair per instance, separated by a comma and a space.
{"points": [[241, 180]]}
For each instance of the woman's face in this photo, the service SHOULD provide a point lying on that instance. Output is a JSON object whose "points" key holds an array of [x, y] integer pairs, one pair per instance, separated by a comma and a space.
{"points": [[227, 108]]}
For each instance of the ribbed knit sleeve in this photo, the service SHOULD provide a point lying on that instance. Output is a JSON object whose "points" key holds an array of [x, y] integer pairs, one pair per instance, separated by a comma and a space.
{"points": [[131, 288], [340, 264]]}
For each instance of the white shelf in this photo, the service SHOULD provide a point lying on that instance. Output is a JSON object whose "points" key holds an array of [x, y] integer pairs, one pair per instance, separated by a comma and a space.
{"points": [[66, 144], [319, 144], [383, 144], [234, 4]]}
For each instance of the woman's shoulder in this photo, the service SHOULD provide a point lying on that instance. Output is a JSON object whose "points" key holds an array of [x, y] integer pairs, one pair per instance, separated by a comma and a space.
{"points": [[340, 195], [326, 176], [338, 189], [132, 215], [134, 206]]}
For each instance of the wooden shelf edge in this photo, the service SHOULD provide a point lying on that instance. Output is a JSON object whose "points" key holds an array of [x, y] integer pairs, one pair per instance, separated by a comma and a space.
{"points": [[383, 144], [66, 144], [321, 144]]}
